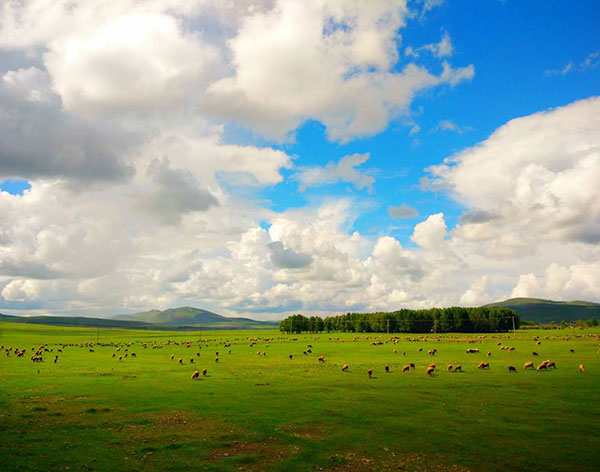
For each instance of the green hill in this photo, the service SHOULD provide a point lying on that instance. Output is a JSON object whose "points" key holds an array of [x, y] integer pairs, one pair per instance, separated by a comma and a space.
{"points": [[544, 311], [76, 321], [195, 317]]}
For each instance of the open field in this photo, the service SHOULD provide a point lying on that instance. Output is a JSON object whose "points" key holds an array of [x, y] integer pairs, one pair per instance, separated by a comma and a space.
{"points": [[90, 411]]}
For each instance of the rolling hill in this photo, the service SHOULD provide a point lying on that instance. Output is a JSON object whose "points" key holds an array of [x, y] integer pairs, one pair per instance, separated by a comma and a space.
{"points": [[545, 311], [194, 317], [76, 321]]}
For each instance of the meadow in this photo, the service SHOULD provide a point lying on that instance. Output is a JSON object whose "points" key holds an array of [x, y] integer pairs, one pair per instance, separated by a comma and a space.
{"points": [[259, 410]]}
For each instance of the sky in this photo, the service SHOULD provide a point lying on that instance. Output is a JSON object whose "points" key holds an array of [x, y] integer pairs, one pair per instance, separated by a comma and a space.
{"points": [[268, 157]]}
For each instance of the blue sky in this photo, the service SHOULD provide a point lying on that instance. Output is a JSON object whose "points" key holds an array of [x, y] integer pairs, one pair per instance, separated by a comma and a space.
{"points": [[256, 159]]}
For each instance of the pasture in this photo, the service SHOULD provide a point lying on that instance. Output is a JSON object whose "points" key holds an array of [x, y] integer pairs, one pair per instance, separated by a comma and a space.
{"points": [[257, 409]]}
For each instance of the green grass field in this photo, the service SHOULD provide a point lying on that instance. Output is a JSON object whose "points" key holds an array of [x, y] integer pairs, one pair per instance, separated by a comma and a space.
{"points": [[90, 411]]}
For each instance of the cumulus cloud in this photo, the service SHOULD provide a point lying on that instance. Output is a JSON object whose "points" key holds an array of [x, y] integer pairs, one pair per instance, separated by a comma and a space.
{"points": [[285, 258], [38, 139], [430, 233], [402, 211], [329, 61], [537, 173], [343, 171]]}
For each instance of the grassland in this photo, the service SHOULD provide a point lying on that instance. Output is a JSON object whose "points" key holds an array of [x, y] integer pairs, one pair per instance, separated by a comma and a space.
{"points": [[92, 412]]}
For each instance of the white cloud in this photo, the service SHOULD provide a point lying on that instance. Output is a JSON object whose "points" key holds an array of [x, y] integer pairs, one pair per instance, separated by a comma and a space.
{"points": [[591, 61], [343, 171], [329, 61], [402, 211], [430, 234], [537, 173]]}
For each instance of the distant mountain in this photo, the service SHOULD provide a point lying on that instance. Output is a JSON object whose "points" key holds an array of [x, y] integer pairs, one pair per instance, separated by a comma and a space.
{"points": [[195, 317], [76, 321], [545, 311]]}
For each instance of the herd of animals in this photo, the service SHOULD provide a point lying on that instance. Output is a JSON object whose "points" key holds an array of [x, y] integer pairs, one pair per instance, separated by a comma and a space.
{"points": [[122, 351]]}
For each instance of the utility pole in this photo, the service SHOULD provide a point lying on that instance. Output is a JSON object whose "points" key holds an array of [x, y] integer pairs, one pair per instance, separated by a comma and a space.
{"points": [[388, 326], [514, 329]]}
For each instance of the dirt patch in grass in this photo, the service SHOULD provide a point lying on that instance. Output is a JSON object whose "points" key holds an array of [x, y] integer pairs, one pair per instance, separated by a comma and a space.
{"points": [[389, 461], [307, 431]]}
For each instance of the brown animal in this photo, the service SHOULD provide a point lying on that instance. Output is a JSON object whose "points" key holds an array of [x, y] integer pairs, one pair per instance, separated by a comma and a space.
{"points": [[484, 365], [581, 369], [551, 364], [172, 356], [535, 353], [406, 368], [290, 356], [542, 366], [204, 371], [528, 365], [430, 371], [458, 368], [489, 354], [180, 360], [345, 368], [449, 367], [387, 369], [321, 359], [412, 365], [370, 372], [512, 368], [195, 375]]}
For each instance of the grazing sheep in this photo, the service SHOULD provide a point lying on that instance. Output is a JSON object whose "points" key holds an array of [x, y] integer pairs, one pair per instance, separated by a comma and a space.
{"points": [[395, 351], [458, 368], [581, 368], [484, 365], [204, 371], [535, 353], [180, 360], [172, 356], [406, 368], [321, 359], [512, 368], [195, 375], [489, 354], [551, 364], [345, 368], [430, 370], [528, 365], [572, 350], [472, 351], [449, 367], [542, 366], [412, 365], [216, 359], [56, 359], [120, 358], [191, 360], [370, 372], [290, 356], [387, 369], [404, 353]]}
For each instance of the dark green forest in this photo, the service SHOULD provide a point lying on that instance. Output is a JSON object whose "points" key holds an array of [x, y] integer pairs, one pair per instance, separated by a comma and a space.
{"points": [[434, 320]]}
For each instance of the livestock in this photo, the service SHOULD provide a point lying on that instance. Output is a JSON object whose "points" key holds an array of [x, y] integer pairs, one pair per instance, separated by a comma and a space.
{"points": [[535, 353], [204, 371], [370, 372], [528, 365], [180, 360], [291, 356], [195, 375], [542, 366], [345, 368], [512, 368], [449, 367], [430, 371], [484, 365], [472, 351], [406, 368], [581, 368], [412, 365], [387, 369], [321, 359], [458, 368]]}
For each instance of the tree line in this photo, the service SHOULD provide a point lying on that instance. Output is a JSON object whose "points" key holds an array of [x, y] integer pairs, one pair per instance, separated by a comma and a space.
{"points": [[434, 320]]}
